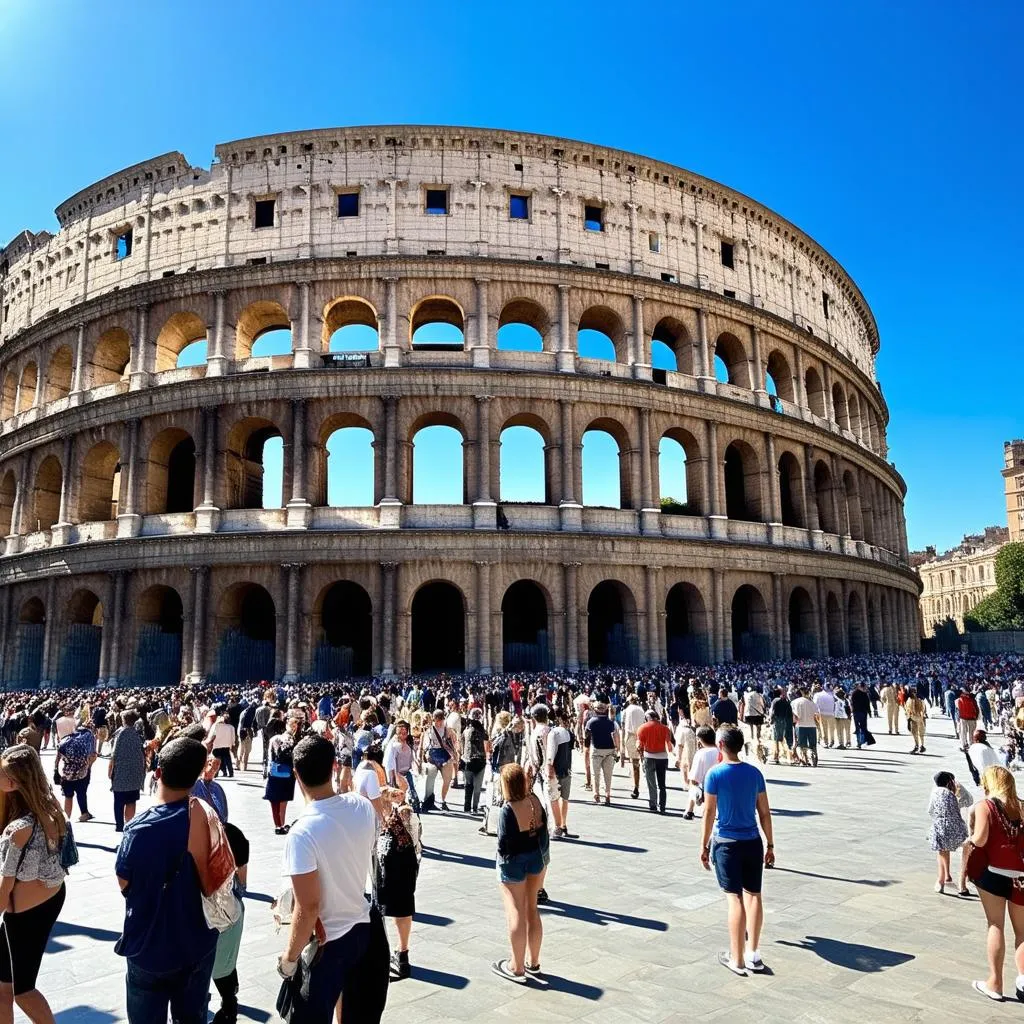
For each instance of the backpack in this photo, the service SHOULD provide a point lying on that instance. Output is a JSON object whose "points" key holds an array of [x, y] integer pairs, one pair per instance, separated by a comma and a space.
{"points": [[221, 907], [563, 757]]}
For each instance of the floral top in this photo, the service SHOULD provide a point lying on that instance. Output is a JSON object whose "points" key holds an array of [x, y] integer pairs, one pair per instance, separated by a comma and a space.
{"points": [[33, 862], [129, 758]]}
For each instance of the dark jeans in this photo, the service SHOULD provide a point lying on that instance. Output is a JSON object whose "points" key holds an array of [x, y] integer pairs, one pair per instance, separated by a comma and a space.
{"points": [[186, 991], [413, 796], [474, 783], [224, 755], [78, 789], [860, 724], [121, 801], [657, 790]]}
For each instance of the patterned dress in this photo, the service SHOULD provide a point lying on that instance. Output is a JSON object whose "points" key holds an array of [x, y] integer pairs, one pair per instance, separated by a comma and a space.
{"points": [[948, 829]]}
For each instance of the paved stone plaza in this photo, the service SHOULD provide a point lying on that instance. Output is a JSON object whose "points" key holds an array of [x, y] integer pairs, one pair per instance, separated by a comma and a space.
{"points": [[853, 930]]}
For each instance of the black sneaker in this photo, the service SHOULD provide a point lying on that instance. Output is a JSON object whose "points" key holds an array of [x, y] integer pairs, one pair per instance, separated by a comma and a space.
{"points": [[688, 816], [635, 794], [542, 896], [400, 966]]}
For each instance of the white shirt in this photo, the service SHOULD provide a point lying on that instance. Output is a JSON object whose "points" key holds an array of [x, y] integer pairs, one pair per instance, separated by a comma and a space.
{"points": [[753, 705], [632, 718], [556, 737], [825, 703], [454, 722], [803, 713], [982, 756], [703, 761], [65, 726], [538, 748], [335, 838], [222, 734], [365, 781]]}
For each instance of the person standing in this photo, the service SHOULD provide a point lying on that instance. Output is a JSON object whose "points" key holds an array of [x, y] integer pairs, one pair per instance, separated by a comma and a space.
{"points": [[805, 716], [892, 708], [948, 831], [127, 769], [75, 756], [655, 744], [632, 720], [246, 731], [825, 703], [398, 761], [967, 712], [221, 741], [781, 718], [475, 751], [917, 716], [559, 773], [396, 868], [860, 704], [604, 745], [736, 800]]}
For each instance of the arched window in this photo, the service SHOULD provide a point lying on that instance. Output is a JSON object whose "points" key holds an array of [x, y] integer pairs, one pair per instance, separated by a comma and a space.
{"points": [[160, 617], [856, 638], [823, 495], [30, 633], [46, 495], [601, 335], [438, 465], [171, 473], [263, 329], [750, 637], [350, 481], [680, 474], [605, 477], [839, 405], [523, 470], [58, 375], [111, 358], [351, 325], [10, 396], [8, 492], [246, 625], [345, 648], [177, 335], [611, 625], [742, 483], [255, 465], [523, 326], [80, 653], [27, 388], [815, 392], [686, 636], [791, 491], [834, 623], [524, 628], [731, 359], [671, 348], [803, 633], [438, 325], [438, 628], [779, 378], [101, 484]]}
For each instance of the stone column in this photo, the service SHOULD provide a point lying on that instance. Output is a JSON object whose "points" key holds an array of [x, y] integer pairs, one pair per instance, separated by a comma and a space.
{"points": [[388, 572], [116, 657], [484, 507], [200, 584], [565, 359], [13, 540], [299, 511], [641, 346], [571, 509], [720, 640], [717, 519], [780, 642], [207, 513], [650, 510], [303, 353], [774, 495], [143, 352], [106, 631], [49, 668], [129, 522], [838, 518], [758, 367], [572, 637], [293, 571], [824, 648], [830, 409], [62, 529], [800, 386], [216, 360], [390, 504], [705, 365], [7, 634], [483, 617], [391, 344], [653, 614], [481, 352], [810, 497], [76, 397]]}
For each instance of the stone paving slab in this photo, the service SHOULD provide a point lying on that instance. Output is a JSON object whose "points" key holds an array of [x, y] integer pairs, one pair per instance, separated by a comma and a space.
{"points": [[853, 930]]}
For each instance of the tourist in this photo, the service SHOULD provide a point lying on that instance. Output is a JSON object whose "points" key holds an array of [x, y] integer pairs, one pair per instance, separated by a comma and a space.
{"points": [[396, 868], [398, 761], [438, 747], [209, 789], [536, 745], [979, 753], [327, 856], [522, 863], [842, 709], [169, 946], [506, 748], [632, 720], [751, 710], [75, 756], [261, 722], [703, 761], [736, 799], [917, 715], [584, 713], [805, 717], [98, 720], [996, 840], [654, 741], [723, 709], [560, 742], [280, 788], [476, 748], [127, 769], [32, 872], [892, 709], [604, 744], [686, 747], [370, 779], [781, 718], [860, 704], [948, 831], [246, 731], [967, 712], [825, 705], [229, 941]]}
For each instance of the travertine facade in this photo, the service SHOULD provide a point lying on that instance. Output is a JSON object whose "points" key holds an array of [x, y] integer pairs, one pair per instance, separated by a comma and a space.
{"points": [[130, 486], [954, 582], [1013, 474]]}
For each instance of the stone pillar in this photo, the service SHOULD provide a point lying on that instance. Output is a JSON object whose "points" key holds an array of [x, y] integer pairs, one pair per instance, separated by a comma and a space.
{"points": [[717, 519], [143, 352], [207, 513], [481, 351], [116, 657], [61, 533], [572, 637], [774, 495], [18, 512], [653, 614], [388, 572], [200, 585], [810, 497], [565, 359], [830, 409], [824, 648], [780, 642], [49, 668], [216, 360], [293, 571], [483, 617], [484, 507], [299, 511], [641, 346], [7, 634], [303, 352], [800, 386], [107, 629], [720, 639], [129, 522], [758, 367], [650, 510], [391, 344], [76, 396], [571, 509], [837, 512], [705, 365], [390, 504]]}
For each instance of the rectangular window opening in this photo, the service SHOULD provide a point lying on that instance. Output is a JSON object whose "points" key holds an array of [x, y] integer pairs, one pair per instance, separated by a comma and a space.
{"points": [[654, 241], [519, 207], [264, 213], [348, 204], [727, 255], [437, 201], [124, 244], [824, 304], [669, 278], [602, 266], [729, 293], [593, 218]]}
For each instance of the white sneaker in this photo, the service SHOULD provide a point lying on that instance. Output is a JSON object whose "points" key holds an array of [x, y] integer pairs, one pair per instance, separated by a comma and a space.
{"points": [[754, 962]]}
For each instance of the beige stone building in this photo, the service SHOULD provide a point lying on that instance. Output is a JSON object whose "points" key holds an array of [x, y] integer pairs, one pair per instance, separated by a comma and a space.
{"points": [[137, 542], [1013, 474], [954, 582]]}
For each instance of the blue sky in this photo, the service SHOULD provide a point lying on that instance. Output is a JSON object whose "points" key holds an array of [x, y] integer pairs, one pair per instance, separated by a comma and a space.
{"points": [[891, 132]]}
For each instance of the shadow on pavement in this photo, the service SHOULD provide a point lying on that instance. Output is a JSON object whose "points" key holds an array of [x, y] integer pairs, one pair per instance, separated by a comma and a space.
{"points": [[601, 917], [572, 988], [258, 897], [614, 847], [450, 857], [252, 1012], [786, 782], [879, 883], [95, 846], [437, 922], [852, 955], [781, 812], [62, 928], [440, 978], [84, 1015]]}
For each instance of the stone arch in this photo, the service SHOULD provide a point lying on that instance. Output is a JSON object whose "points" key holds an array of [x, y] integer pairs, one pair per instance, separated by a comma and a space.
{"points": [[426, 330], [438, 625], [778, 372], [729, 349], [29, 636], [83, 641], [834, 625], [686, 628], [160, 624], [244, 457], [612, 633], [791, 492], [348, 322], [673, 335], [246, 627], [179, 331], [8, 494], [742, 480], [815, 391], [9, 395], [534, 462], [853, 513], [823, 495], [751, 639], [27, 388], [343, 614], [803, 624], [602, 321], [100, 487], [842, 416], [524, 325], [257, 319], [111, 358], [449, 454], [347, 452], [170, 473], [615, 430], [46, 495], [856, 635], [58, 375], [694, 501], [525, 627], [853, 412]]}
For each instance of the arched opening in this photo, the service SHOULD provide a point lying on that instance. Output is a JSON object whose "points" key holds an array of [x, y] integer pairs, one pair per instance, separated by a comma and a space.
{"points": [[263, 329], [742, 483], [46, 496], [178, 333], [351, 325], [750, 638], [110, 358], [27, 388], [823, 495], [523, 326], [839, 406], [160, 619], [255, 465], [730, 354], [600, 335], [171, 473], [791, 496], [680, 474], [438, 325], [834, 624], [856, 639], [803, 634], [606, 482], [853, 514], [523, 470], [247, 626], [438, 628], [58, 375], [524, 628], [438, 464], [671, 347], [27, 669], [686, 639], [853, 411], [815, 392], [8, 492], [779, 377], [9, 396], [101, 484], [80, 661], [345, 646], [611, 625], [350, 467]]}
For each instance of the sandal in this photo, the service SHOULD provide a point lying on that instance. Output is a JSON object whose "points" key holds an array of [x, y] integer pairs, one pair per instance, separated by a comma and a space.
{"points": [[503, 969], [983, 989]]}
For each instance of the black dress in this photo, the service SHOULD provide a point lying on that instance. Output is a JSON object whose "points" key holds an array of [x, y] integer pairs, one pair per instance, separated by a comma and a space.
{"points": [[396, 867]]}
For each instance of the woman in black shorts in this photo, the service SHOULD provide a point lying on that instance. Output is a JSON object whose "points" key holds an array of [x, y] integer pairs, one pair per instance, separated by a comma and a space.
{"points": [[32, 886]]}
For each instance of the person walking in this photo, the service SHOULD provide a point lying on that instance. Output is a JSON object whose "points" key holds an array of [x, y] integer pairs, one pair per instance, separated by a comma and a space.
{"points": [[917, 715], [967, 713], [221, 741], [825, 703], [604, 745], [439, 746], [948, 831], [126, 769], [280, 788], [860, 705], [476, 749], [842, 719], [736, 800], [654, 740], [781, 717], [805, 716], [75, 756], [892, 708], [396, 868], [632, 720]]}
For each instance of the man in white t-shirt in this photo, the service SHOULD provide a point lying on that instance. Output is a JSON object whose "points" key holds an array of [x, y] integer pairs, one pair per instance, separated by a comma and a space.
{"points": [[327, 857], [632, 719], [805, 718], [825, 704], [703, 761], [65, 725], [366, 781]]}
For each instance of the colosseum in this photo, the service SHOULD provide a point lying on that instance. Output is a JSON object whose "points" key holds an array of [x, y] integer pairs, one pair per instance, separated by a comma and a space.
{"points": [[139, 407]]}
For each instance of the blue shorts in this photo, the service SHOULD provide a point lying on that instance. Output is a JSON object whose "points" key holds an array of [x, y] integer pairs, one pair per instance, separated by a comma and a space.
{"points": [[739, 864], [518, 867], [807, 736]]}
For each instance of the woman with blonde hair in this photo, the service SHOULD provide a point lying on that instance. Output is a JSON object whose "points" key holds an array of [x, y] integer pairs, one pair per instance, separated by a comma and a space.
{"points": [[32, 883], [997, 869]]}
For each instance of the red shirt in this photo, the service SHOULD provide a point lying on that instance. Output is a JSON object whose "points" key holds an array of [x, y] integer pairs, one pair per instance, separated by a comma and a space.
{"points": [[967, 708], [654, 738]]}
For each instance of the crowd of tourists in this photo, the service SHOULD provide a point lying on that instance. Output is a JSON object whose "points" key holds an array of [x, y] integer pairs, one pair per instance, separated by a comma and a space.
{"points": [[372, 761]]}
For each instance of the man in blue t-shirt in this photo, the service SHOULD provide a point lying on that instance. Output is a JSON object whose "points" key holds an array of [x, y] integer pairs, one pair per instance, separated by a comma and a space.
{"points": [[169, 946], [735, 799]]}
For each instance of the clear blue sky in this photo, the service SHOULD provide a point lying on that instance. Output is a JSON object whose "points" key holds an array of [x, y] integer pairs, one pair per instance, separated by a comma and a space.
{"points": [[891, 132]]}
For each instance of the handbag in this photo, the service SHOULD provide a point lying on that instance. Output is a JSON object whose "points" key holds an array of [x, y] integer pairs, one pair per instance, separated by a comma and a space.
{"points": [[438, 756], [221, 906]]}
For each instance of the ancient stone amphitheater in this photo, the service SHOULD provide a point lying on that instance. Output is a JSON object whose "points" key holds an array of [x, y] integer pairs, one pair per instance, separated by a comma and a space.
{"points": [[141, 545]]}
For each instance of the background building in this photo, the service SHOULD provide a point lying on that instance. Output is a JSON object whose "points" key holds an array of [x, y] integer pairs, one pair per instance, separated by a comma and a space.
{"points": [[1013, 474]]}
